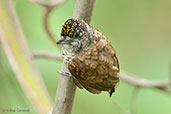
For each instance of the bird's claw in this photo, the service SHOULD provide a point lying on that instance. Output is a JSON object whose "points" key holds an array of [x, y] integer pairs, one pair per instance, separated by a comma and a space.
{"points": [[65, 73]]}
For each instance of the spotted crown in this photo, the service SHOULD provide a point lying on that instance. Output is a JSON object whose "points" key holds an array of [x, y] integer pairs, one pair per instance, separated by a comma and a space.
{"points": [[69, 27]]}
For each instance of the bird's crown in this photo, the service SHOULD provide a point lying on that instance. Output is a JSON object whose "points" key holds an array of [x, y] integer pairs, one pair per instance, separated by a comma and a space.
{"points": [[69, 27]]}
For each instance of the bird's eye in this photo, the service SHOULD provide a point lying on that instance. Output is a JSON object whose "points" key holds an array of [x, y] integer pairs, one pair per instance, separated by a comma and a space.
{"points": [[76, 35]]}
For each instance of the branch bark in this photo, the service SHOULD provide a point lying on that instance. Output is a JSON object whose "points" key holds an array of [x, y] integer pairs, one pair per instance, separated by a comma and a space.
{"points": [[52, 56], [50, 4], [143, 82], [66, 87]]}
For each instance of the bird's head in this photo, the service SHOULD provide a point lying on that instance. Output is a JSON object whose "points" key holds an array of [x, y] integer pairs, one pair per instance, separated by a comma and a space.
{"points": [[75, 32]]}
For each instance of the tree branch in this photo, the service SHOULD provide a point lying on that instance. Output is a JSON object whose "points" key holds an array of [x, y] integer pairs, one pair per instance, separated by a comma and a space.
{"points": [[47, 55], [143, 82], [124, 76], [133, 100], [46, 25], [49, 6], [66, 87]]}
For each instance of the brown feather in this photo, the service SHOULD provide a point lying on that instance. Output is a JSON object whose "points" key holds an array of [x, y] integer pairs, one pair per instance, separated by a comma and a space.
{"points": [[96, 68]]}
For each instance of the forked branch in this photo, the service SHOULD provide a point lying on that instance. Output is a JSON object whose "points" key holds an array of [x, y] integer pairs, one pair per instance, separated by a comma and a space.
{"points": [[49, 6]]}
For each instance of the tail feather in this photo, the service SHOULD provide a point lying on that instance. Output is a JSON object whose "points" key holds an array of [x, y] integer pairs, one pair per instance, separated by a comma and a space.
{"points": [[111, 91]]}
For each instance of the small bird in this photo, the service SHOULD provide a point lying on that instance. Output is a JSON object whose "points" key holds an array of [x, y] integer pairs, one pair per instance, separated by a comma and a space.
{"points": [[92, 61]]}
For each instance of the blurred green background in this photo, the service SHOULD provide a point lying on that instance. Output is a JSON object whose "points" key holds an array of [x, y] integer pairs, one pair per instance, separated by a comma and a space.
{"points": [[140, 31]]}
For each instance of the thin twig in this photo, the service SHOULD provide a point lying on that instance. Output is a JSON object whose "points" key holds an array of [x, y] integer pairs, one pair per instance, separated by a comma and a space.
{"points": [[133, 100], [51, 4], [46, 25], [47, 55], [143, 82], [119, 108]]}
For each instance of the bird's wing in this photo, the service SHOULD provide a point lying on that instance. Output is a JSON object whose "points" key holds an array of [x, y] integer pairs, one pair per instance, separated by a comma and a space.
{"points": [[96, 68]]}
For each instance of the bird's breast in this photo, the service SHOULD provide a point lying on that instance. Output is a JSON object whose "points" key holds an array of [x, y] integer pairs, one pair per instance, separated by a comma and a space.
{"points": [[68, 52]]}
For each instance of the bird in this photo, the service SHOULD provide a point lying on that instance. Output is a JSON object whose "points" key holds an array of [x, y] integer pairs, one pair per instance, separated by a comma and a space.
{"points": [[90, 58]]}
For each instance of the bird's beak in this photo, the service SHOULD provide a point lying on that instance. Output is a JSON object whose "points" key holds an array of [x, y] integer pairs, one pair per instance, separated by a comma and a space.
{"points": [[62, 40]]}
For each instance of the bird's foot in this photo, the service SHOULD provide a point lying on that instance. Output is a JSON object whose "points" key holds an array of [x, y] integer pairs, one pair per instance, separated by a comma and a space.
{"points": [[65, 73]]}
